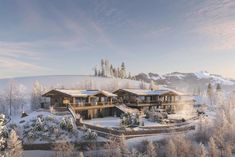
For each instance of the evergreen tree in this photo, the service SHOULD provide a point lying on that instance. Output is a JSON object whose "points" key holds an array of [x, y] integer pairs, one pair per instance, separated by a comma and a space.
{"points": [[96, 71], [123, 71], [107, 68], [111, 71], [14, 145], [210, 93], [118, 73], [218, 88], [102, 68]]}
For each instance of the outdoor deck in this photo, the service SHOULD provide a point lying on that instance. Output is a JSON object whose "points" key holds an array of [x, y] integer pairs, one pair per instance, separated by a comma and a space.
{"points": [[87, 106]]}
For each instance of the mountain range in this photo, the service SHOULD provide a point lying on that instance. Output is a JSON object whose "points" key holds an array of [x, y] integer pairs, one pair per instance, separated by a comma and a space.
{"points": [[188, 82]]}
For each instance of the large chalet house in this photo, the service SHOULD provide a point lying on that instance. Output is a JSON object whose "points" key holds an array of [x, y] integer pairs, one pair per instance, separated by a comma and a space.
{"points": [[143, 99], [98, 103], [88, 103]]}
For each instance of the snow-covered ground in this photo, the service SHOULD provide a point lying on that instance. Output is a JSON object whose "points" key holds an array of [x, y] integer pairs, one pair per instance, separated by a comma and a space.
{"points": [[109, 122], [51, 128], [148, 123], [104, 122], [182, 114], [114, 122]]}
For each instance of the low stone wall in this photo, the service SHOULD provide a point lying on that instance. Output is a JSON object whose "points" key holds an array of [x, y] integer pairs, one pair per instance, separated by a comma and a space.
{"points": [[105, 132], [49, 146]]}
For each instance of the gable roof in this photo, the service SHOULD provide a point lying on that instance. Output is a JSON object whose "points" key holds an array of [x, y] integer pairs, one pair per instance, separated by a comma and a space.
{"points": [[146, 92], [81, 93]]}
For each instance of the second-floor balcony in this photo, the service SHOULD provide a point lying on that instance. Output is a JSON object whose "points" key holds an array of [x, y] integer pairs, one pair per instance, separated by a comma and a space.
{"points": [[93, 105], [154, 103]]}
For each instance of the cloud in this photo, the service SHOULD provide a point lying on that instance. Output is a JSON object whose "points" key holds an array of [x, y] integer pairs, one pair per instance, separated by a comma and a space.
{"points": [[14, 64], [209, 11], [16, 49], [221, 35], [13, 56], [213, 20], [157, 32]]}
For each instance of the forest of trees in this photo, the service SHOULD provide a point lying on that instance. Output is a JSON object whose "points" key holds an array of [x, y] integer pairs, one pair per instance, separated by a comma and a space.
{"points": [[12, 98], [106, 69]]}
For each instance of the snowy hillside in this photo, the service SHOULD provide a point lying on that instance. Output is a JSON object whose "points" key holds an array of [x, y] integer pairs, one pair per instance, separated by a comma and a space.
{"points": [[188, 81], [71, 81]]}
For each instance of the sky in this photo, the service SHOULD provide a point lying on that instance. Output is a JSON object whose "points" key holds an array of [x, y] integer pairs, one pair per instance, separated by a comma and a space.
{"points": [[70, 37]]}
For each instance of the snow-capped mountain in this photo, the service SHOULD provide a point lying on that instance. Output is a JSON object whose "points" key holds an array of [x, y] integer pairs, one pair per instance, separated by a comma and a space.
{"points": [[188, 81]]}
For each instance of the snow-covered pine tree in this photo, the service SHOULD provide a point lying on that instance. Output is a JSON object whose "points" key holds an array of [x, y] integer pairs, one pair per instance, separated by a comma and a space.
{"points": [[111, 71], [14, 145], [202, 152], [102, 68], [118, 73], [151, 150], [210, 94], [218, 88], [171, 149], [115, 72], [107, 68], [213, 151], [123, 71], [36, 96], [96, 71], [2, 138]]}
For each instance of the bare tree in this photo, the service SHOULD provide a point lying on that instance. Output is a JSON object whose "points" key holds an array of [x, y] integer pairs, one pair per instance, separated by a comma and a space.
{"points": [[14, 97], [171, 149], [64, 149], [111, 147], [151, 149], [36, 96], [124, 152], [202, 151]]}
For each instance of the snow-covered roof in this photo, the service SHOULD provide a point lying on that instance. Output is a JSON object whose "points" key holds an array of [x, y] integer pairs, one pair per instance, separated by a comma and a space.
{"points": [[84, 93], [144, 92], [106, 93]]}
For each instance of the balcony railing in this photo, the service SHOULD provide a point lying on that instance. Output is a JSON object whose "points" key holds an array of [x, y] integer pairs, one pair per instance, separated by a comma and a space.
{"points": [[97, 105], [153, 103]]}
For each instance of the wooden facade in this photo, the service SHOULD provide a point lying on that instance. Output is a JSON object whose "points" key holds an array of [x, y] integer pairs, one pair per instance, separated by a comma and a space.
{"points": [[88, 103], [146, 99]]}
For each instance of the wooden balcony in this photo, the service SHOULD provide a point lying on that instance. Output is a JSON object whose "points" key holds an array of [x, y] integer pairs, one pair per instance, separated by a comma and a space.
{"points": [[155, 103], [87, 106]]}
